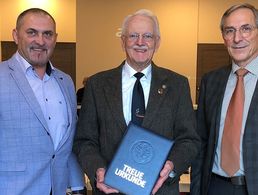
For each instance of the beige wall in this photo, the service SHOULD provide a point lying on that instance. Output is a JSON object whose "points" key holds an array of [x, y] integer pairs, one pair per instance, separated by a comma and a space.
{"points": [[210, 12], [64, 12], [183, 24], [98, 48]]}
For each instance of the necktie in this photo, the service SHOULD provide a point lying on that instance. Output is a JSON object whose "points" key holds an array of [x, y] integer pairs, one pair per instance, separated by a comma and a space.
{"points": [[138, 105], [230, 149]]}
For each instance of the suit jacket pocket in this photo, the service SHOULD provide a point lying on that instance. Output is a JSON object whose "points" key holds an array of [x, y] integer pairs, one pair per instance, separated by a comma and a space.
{"points": [[12, 166]]}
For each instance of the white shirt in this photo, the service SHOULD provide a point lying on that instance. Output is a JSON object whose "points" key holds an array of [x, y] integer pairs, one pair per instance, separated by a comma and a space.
{"points": [[128, 80]]}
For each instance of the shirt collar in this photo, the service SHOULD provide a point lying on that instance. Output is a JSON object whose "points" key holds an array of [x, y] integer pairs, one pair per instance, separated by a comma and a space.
{"points": [[26, 66], [252, 67], [129, 71]]}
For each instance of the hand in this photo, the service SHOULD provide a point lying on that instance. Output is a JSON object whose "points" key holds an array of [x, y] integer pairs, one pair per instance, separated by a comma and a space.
{"points": [[168, 167], [100, 174]]}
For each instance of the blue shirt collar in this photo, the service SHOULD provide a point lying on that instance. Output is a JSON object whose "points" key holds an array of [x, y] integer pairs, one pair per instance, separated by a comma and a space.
{"points": [[25, 65], [252, 67]]}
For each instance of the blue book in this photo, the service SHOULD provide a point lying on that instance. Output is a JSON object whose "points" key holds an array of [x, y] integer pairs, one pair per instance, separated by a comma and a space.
{"points": [[138, 161]]}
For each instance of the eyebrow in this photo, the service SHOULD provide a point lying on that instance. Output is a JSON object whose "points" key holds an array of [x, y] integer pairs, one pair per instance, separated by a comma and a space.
{"points": [[44, 31], [236, 27]]}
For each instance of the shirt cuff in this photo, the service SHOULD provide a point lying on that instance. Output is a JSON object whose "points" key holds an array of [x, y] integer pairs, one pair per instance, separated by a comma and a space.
{"points": [[77, 188], [172, 174]]}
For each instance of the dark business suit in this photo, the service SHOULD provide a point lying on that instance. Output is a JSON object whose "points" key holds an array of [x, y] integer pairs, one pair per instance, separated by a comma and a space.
{"points": [[212, 90], [101, 124]]}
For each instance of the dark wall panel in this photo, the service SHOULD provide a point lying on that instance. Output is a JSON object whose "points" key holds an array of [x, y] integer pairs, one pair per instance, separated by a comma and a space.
{"points": [[210, 57], [64, 56]]}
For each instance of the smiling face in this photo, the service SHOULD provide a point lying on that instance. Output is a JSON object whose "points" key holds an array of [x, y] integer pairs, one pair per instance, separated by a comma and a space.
{"points": [[242, 49], [36, 38], [140, 42]]}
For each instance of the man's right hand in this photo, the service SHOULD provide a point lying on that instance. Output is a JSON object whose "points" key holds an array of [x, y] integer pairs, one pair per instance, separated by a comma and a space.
{"points": [[100, 175]]}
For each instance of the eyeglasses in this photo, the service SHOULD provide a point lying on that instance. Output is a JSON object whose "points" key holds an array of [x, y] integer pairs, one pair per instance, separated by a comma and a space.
{"points": [[245, 31], [146, 37]]}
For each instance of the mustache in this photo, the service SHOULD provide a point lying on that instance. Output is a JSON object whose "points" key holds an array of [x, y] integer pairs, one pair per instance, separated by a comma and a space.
{"points": [[239, 45], [140, 47], [39, 47]]}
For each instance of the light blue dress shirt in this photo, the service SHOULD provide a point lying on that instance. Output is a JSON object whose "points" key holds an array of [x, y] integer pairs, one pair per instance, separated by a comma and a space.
{"points": [[250, 80], [50, 99], [128, 80]]}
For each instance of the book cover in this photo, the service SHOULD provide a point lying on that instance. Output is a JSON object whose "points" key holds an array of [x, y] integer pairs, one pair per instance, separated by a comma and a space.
{"points": [[138, 161]]}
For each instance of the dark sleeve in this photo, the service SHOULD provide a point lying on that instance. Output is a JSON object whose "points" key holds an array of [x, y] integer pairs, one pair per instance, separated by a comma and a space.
{"points": [[86, 143], [197, 165], [187, 142]]}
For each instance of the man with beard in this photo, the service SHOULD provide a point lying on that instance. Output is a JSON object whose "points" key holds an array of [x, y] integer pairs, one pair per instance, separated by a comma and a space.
{"points": [[37, 114], [106, 108]]}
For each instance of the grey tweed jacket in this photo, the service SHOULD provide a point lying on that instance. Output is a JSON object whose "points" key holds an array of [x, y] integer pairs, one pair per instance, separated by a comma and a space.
{"points": [[101, 124]]}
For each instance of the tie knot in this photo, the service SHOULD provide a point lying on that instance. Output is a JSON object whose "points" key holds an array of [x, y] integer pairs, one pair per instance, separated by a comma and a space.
{"points": [[138, 75], [241, 72]]}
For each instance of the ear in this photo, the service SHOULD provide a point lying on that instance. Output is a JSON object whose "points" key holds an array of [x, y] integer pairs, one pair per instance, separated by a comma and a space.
{"points": [[15, 35], [123, 42], [157, 44], [56, 37]]}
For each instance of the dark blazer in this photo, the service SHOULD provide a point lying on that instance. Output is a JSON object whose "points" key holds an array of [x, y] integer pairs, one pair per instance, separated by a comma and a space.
{"points": [[101, 123], [212, 91]]}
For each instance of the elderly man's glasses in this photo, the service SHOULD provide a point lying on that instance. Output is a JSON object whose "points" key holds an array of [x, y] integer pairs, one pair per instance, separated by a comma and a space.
{"points": [[245, 31], [147, 37]]}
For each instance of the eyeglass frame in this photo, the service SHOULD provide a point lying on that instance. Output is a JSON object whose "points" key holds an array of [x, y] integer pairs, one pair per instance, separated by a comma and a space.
{"points": [[241, 30], [146, 37]]}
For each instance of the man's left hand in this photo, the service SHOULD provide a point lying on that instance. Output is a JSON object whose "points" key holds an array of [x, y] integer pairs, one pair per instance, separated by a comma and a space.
{"points": [[168, 167]]}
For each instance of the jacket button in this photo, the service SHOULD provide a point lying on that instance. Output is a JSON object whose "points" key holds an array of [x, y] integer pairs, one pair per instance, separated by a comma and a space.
{"points": [[53, 156]]}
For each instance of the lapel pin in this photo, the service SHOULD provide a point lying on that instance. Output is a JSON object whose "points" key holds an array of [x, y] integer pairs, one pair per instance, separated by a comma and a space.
{"points": [[160, 91]]}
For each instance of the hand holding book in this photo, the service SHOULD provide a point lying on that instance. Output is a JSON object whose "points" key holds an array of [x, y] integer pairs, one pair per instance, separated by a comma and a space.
{"points": [[140, 162], [164, 174], [100, 175]]}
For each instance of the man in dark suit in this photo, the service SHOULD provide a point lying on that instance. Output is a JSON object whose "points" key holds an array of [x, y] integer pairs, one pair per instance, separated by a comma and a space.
{"points": [[210, 173], [106, 108]]}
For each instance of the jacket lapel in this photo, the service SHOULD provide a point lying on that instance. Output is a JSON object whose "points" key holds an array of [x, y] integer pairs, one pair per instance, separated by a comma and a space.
{"points": [[113, 93], [24, 86], [158, 91], [60, 80], [251, 123], [222, 83], [253, 108]]}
